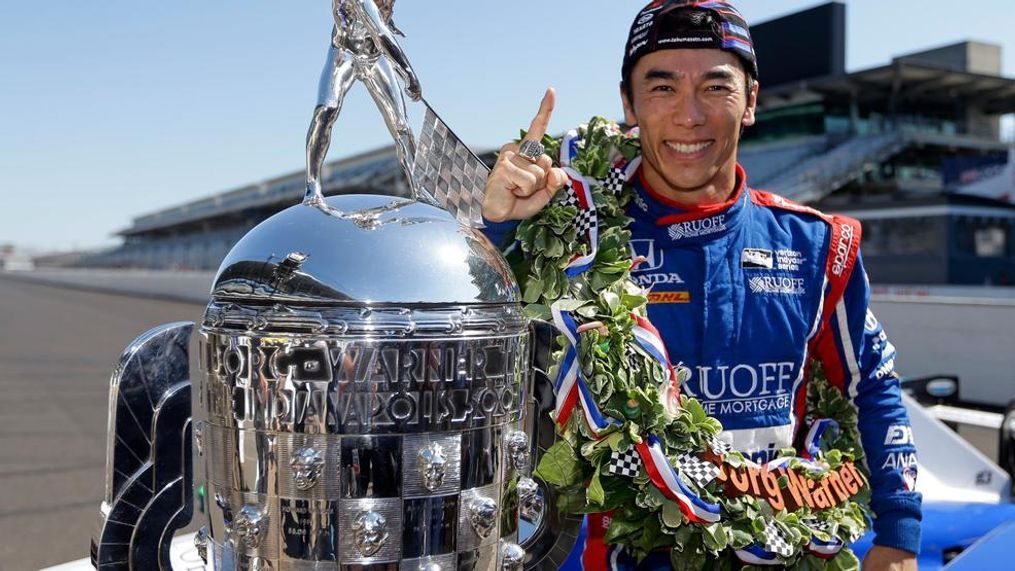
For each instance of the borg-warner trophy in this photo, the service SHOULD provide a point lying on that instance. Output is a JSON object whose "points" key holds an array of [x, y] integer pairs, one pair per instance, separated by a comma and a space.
{"points": [[368, 392]]}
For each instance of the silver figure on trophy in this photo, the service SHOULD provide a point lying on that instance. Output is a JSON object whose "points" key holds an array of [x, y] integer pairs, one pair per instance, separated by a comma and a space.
{"points": [[368, 395], [363, 47]]}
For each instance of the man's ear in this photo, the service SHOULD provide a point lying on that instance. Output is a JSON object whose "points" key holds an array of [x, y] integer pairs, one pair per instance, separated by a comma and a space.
{"points": [[752, 103], [629, 117]]}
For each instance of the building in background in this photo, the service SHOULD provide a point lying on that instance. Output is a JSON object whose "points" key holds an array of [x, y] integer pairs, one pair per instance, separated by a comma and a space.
{"points": [[912, 148]]}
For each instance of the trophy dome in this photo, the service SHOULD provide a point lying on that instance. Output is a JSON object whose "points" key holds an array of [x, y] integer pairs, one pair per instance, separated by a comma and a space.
{"points": [[364, 249]]}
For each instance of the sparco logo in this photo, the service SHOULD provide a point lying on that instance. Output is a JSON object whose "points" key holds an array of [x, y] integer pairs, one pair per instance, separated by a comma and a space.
{"points": [[695, 228], [842, 249]]}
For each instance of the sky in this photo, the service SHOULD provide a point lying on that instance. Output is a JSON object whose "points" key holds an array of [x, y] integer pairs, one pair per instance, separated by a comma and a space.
{"points": [[110, 109]]}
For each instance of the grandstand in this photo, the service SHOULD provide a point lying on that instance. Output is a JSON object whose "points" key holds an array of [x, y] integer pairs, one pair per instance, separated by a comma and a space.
{"points": [[895, 145]]}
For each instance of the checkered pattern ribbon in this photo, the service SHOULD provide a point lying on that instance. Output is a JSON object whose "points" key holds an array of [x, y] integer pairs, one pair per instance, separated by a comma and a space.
{"points": [[701, 472], [570, 387], [768, 552], [718, 446], [665, 477], [819, 547], [578, 193], [626, 463]]}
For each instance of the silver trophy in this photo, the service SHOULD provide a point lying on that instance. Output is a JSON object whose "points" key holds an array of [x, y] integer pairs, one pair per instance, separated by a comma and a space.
{"points": [[368, 393]]}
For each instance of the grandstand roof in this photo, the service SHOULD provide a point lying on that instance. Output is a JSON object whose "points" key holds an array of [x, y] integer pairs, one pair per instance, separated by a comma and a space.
{"points": [[367, 171], [909, 80]]}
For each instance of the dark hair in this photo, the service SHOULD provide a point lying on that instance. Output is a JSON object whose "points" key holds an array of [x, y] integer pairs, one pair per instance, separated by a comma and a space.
{"points": [[690, 22]]}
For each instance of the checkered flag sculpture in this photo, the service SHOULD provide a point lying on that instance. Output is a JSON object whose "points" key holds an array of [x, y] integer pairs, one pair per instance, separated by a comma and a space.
{"points": [[448, 173], [774, 541], [626, 463], [694, 469]]}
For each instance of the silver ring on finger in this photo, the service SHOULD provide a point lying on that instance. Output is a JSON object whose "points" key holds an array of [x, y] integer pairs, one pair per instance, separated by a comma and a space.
{"points": [[531, 150]]}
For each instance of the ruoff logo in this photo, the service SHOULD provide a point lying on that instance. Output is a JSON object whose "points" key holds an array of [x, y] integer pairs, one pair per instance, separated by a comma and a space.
{"points": [[776, 284], [695, 228], [842, 248]]}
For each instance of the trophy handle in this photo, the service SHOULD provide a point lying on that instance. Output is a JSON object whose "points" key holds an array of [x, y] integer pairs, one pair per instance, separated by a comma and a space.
{"points": [[149, 470], [554, 533]]}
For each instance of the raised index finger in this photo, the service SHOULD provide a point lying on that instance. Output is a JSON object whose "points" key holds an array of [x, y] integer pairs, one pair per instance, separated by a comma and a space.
{"points": [[542, 120]]}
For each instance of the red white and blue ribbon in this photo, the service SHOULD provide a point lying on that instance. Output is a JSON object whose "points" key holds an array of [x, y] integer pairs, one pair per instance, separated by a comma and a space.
{"points": [[570, 387], [648, 338], [569, 148], [812, 444], [757, 555], [587, 223], [825, 549], [664, 477]]}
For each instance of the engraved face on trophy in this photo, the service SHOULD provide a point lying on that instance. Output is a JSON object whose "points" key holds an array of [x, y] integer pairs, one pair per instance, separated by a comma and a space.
{"points": [[483, 515], [518, 450], [307, 465], [248, 526], [432, 464], [512, 557], [530, 502], [370, 531]]}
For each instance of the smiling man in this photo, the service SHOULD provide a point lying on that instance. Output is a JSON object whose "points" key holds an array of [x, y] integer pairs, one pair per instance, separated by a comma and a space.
{"points": [[746, 287]]}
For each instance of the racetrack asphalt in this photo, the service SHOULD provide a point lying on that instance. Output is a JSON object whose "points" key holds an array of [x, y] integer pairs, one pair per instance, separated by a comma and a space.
{"points": [[57, 348]]}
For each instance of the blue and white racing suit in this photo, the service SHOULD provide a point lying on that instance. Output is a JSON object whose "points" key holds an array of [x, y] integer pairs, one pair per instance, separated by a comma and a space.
{"points": [[745, 294]]}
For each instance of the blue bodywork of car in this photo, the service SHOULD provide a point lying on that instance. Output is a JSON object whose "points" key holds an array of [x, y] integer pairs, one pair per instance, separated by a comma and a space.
{"points": [[951, 527]]}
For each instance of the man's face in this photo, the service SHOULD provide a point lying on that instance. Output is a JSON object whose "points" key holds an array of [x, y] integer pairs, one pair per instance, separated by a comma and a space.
{"points": [[689, 105]]}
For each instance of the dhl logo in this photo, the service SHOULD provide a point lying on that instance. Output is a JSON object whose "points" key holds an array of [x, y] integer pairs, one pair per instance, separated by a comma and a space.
{"points": [[669, 297]]}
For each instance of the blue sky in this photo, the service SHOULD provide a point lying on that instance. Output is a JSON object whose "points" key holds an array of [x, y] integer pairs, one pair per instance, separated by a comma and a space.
{"points": [[113, 108]]}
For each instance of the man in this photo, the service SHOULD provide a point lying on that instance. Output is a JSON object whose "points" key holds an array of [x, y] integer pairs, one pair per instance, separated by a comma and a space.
{"points": [[746, 287]]}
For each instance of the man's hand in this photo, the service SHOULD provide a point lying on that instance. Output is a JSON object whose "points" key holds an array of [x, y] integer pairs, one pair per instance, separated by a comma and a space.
{"points": [[881, 558], [517, 188]]}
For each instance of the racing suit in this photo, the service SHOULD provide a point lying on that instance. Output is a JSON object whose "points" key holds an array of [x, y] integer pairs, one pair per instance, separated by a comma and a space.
{"points": [[744, 294]]}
